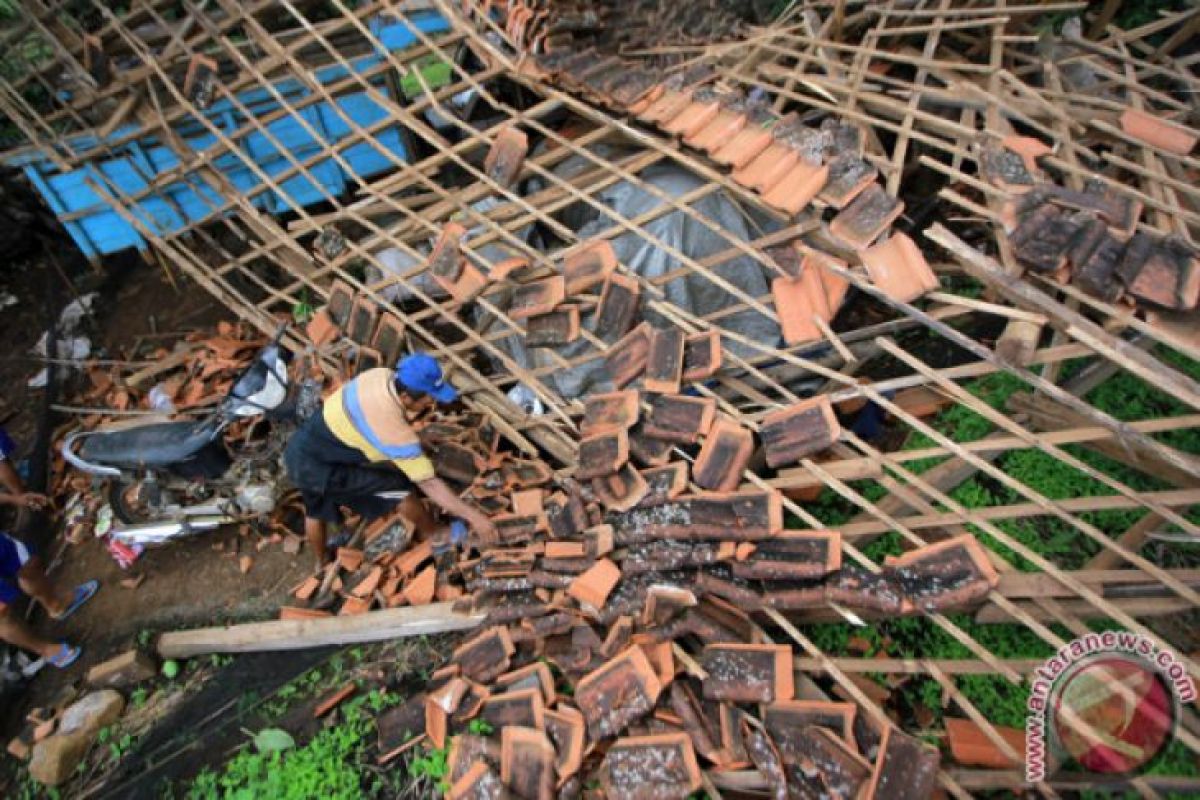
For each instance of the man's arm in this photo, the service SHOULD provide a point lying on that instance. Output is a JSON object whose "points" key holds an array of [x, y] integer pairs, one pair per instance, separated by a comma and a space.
{"points": [[437, 491], [16, 494]]}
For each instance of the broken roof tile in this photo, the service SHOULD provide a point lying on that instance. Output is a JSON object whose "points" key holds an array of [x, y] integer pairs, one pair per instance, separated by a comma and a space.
{"points": [[621, 490], [588, 265], [593, 586], [827, 766], [787, 719], [665, 483], [361, 324], [527, 762], [897, 266], [748, 673], [849, 176], [609, 412], [723, 457], [798, 187], [554, 328], [1162, 271], [446, 258], [602, 454], [341, 300], [621, 691], [522, 707], [507, 154], [799, 431], [866, 217], [321, 329], [538, 297], [567, 731], [793, 555], [618, 308], [479, 782], [856, 587], [680, 418], [651, 768], [736, 516], [533, 676], [971, 747], [947, 574], [626, 359], [701, 355], [664, 361], [905, 769], [1158, 132], [765, 757], [485, 655]]}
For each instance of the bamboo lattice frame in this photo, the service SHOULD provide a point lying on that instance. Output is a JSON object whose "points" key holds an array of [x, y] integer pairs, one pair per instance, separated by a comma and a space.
{"points": [[976, 76]]}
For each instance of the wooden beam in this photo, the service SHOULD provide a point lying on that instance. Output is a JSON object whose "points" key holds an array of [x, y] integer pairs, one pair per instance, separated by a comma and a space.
{"points": [[376, 626]]}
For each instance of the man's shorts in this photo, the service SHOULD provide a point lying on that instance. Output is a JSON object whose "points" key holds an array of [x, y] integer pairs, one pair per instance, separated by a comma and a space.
{"points": [[7, 446], [13, 556]]}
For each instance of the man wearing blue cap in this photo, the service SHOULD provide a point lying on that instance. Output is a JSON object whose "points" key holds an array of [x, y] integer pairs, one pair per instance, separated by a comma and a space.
{"points": [[361, 453]]}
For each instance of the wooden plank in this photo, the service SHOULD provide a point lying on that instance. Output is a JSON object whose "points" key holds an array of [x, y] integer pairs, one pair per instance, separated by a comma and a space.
{"points": [[375, 626]]}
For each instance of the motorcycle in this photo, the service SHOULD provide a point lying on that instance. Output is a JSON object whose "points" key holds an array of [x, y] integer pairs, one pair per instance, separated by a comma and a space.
{"points": [[170, 478]]}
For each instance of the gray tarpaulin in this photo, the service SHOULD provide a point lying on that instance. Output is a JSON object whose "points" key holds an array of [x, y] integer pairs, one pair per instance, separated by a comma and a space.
{"points": [[691, 292]]}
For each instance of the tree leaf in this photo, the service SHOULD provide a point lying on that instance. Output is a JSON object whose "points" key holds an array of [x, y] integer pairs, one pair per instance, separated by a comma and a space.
{"points": [[273, 740]]}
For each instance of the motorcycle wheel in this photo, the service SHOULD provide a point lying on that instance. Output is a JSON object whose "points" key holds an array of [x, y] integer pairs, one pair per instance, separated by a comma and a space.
{"points": [[127, 508]]}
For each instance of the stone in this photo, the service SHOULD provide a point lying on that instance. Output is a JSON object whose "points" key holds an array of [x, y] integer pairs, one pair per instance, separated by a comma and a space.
{"points": [[124, 670], [93, 712], [55, 758]]}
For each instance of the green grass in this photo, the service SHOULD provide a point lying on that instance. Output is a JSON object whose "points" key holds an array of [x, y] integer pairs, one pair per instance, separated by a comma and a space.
{"points": [[1124, 397]]}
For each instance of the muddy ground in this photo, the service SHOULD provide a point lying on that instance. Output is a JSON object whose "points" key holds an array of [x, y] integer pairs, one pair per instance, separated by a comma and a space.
{"points": [[189, 584]]}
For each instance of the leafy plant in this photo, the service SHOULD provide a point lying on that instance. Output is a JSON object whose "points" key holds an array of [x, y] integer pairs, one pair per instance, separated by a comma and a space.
{"points": [[480, 727]]}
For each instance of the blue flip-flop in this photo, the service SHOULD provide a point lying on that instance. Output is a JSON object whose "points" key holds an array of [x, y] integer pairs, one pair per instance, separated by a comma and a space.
{"points": [[83, 593], [66, 655]]}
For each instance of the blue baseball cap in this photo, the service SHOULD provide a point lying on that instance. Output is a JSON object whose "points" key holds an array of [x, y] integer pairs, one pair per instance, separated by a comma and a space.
{"points": [[421, 372]]}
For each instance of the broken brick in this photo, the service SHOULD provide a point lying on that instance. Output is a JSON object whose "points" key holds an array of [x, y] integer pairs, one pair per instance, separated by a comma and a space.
{"points": [[446, 258], [748, 673], [419, 590], [486, 655], [602, 454], [538, 297], [651, 768], [897, 266], [626, 359], [553, 329], [527, 762], [799, 431], [866, 217], [618, 308], [664, 361], [680, 418], [321, 329], [507, 154], [723, 457], [621, 691], [607, 413], [593, 586], [588, 265]]}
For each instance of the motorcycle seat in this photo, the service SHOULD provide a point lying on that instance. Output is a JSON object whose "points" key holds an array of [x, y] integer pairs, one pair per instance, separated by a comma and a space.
{"points": [[160, 444]]}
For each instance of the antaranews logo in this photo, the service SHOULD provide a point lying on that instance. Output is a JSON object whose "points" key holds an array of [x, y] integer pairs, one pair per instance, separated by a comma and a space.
{"points": [[1110, 701]]}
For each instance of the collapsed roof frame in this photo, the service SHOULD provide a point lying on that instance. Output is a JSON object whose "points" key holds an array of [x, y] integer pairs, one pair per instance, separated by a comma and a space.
{"points": [[241, 251]]}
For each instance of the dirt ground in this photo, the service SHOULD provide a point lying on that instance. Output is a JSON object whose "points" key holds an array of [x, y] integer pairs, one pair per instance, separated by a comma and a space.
{"points": [[188, 584]]}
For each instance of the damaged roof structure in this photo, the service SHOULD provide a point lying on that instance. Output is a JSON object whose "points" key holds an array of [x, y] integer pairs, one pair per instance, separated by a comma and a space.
{"points": [[668, 256]]}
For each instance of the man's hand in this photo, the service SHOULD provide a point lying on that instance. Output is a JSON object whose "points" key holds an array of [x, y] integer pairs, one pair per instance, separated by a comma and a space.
{"points": [[32, 500], [484, 528]]}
